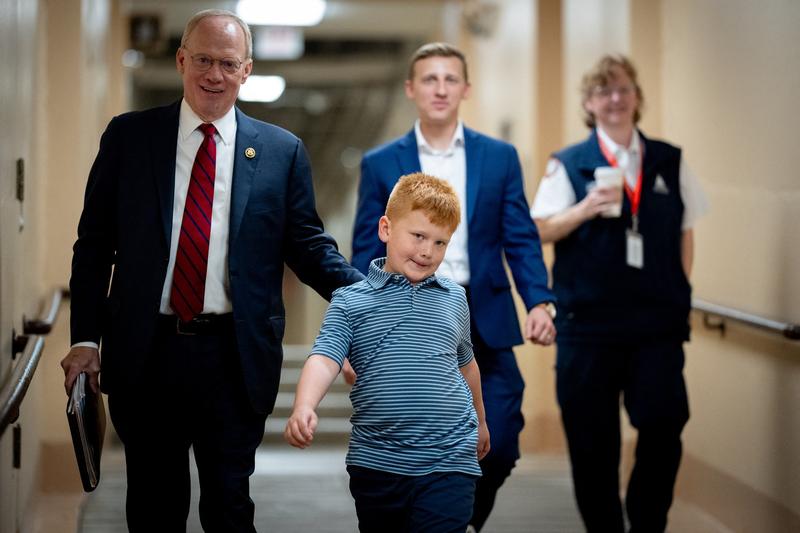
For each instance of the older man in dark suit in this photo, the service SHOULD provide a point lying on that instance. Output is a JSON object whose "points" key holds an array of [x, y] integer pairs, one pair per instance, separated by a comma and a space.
{"points": [[190, 212]]}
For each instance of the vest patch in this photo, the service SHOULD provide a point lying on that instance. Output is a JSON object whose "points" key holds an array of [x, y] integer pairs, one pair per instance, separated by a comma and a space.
{"points": [[660, 185]]}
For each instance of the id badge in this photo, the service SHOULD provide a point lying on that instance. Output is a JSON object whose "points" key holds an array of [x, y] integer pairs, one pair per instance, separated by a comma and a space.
{"points": [[634, 249]]}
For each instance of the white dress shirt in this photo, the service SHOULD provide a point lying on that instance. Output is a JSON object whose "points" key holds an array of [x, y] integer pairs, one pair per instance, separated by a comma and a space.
{"points": [[555, 193], [450, 165], [217, 295]]}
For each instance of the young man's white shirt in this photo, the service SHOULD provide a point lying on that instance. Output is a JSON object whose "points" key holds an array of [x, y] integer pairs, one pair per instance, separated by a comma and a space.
{"points": [[450, 165]]}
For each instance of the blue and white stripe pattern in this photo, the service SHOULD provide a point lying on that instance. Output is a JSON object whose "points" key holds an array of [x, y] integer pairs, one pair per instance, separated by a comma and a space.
{"points": [[413, 411]]}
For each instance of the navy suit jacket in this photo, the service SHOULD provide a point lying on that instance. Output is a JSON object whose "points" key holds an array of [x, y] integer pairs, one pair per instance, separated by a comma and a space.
{"points": [[498, 221], [120, 257]]}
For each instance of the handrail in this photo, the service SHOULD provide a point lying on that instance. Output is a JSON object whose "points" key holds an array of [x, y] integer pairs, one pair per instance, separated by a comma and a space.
{"points": [[43, 326], [13, 392], [787, 329], [16, 386]]}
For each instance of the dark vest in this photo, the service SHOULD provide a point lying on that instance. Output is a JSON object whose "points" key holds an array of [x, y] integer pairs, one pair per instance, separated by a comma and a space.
{"points": [[599, 296]]}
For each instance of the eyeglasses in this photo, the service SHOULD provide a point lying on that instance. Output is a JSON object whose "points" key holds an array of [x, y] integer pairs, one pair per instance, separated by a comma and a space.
{"points": [[203, 63], [605, 91]]}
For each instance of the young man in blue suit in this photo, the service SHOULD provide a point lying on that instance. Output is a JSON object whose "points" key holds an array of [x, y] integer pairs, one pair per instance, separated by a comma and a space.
{"points": [[190, 212], [486, 175]]}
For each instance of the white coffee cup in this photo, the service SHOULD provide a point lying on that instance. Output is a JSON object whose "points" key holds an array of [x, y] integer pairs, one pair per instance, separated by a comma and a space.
{"points": [[610, 178]]}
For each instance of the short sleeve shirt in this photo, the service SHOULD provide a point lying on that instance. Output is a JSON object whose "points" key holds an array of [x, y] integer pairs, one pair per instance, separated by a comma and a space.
{"points": [[555, 193], [413, 411]]}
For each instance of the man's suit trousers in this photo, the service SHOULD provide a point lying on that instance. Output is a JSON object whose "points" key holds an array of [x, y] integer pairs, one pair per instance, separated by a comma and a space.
{"points": [[194, 397]]}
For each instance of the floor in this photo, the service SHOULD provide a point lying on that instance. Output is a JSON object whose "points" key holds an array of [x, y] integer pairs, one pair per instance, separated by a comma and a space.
{"points": [[306, 490]]}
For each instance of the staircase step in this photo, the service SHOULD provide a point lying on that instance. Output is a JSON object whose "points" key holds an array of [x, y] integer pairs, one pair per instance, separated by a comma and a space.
{"points": [[334, 410], [332, 400], [338, 386], [329, 430], [334, 404], [290, 377], [296, 352], [295, 356]]}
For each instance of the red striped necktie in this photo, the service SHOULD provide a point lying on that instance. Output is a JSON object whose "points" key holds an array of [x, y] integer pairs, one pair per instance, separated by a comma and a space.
{"points": [[191, 259]]}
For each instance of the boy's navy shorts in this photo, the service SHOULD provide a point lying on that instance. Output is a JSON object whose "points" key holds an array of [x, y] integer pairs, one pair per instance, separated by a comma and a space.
{"points": [[440, 502]]}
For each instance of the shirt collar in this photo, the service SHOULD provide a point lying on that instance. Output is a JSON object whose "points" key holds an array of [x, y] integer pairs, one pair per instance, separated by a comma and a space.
{"points": [[379, 278], [189, 121], [615, 148], [456, 142]]}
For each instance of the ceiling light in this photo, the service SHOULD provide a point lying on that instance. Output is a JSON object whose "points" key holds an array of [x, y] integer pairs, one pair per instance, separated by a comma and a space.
{"points": [[281, 12], [262, 89], [132, 58]]}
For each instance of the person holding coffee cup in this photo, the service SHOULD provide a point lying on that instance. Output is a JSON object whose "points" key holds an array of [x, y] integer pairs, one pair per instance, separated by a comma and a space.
{"points": [[620, 208], [609, 178]]}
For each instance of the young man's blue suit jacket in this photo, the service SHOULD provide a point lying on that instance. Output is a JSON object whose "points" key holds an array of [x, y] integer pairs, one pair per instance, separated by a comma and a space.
{"points": [[498, 222], [126, 225]]}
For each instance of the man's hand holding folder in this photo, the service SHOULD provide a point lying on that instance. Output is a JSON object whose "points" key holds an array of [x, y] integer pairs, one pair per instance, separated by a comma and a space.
{"points": [[87, 423]]}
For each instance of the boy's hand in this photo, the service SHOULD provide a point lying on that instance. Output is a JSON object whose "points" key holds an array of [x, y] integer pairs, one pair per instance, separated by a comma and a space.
{"points": [[300, 428], [348, 373], [483, 440]]}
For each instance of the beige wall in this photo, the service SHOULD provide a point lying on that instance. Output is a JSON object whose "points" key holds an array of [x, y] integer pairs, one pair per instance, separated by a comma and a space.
{"points": [[20, 231], [590, 28], [78, 88], [73, 111], [732, 76], [730, 85]]}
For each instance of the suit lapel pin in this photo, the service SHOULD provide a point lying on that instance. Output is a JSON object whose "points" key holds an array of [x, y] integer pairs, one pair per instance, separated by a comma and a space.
{"points": [[249, 152]]}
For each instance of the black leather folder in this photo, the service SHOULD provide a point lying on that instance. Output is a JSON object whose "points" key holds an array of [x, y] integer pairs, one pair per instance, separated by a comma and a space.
{"points": [[86, 414]]}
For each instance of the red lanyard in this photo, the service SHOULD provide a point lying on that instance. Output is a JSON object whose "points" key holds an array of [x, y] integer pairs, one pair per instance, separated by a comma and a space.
{"points": [[634, 195]]}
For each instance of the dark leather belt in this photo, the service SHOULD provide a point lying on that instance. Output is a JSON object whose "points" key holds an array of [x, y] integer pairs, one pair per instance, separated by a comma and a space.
{"points": [[199, 325]]}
